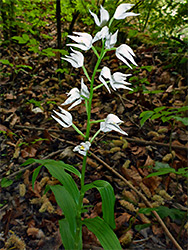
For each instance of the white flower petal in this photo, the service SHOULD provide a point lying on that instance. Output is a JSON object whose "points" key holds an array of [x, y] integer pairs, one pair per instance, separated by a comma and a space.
{"points": [[112, 123], [102, 34], [75, 104], [124, 52], [84, 40], [121, 10], [84, 90], [65, 118], [105, 76], [104, 17], [74, 94], [118, 81], [111, 40], [82, 148], [95, 18], [76, 59]]}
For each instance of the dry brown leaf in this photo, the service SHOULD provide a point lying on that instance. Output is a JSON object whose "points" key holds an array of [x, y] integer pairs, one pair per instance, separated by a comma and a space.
{"points": [[152, 183], [35, 232], [145, 190], [126, 238], [131, 196], [149, 161], [127, 205], [120, 221], [132, 174], [144, 219]]}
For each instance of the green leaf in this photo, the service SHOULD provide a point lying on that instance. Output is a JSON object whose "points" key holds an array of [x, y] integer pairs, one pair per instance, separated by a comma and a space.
{"points": [[104, 233], [145, 116], [59, 173], [108, 199], [57, 170], [140, 227], [35, 174], [146, 210], [156, 110], [67, 204], [173, 213], [160, 165], [6, 182], [184, 120], [162, 172], [5, 61], [66, 235], [156, 116]]}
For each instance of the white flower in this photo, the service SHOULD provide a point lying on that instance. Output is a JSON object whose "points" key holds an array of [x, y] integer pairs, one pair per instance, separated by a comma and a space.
{"points": [[105, 76], [76, 59], [124, 52], [111, 40], [121, 13], [117, 80], [104, 17], [65, 118], [82, 148], [76, 96], [112, 122], [103, 33], [84, 40]]}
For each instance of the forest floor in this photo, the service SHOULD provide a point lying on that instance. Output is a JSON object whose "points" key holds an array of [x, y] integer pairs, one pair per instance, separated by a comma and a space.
{"points": [[28, 99]]}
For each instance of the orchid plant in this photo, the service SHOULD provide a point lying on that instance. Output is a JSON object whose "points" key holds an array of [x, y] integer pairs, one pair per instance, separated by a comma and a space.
{"points": [[67, 195]]}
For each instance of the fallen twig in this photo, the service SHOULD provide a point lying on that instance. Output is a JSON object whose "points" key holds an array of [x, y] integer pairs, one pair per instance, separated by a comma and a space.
{"points": [[138, 141]]}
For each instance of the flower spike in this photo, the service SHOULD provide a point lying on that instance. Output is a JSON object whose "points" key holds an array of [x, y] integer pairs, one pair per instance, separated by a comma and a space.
{"points": [[112, 122], [65, 118], [104, 17], [121, 11], [76, 59]]}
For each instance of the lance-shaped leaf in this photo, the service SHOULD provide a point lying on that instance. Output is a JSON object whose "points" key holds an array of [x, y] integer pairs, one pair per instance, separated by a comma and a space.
{"points": [[121, 11], [66, 235], [104, 17], [65, 118], [67, 204], [104, 233], [124, 52], [108, 199], [76, 59], [112, 122], [57, 170], [84, 40]]}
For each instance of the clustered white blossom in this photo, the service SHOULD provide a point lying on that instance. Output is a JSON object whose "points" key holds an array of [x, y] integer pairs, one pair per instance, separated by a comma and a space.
{"points": [[84, 41]]}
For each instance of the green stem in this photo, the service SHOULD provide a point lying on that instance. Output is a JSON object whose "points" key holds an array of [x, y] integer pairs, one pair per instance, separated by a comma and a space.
{"points": [[98, 86], [97, 121], [85, 72], [77, 130], [95, 51], [95, 135], [88, 107]]}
